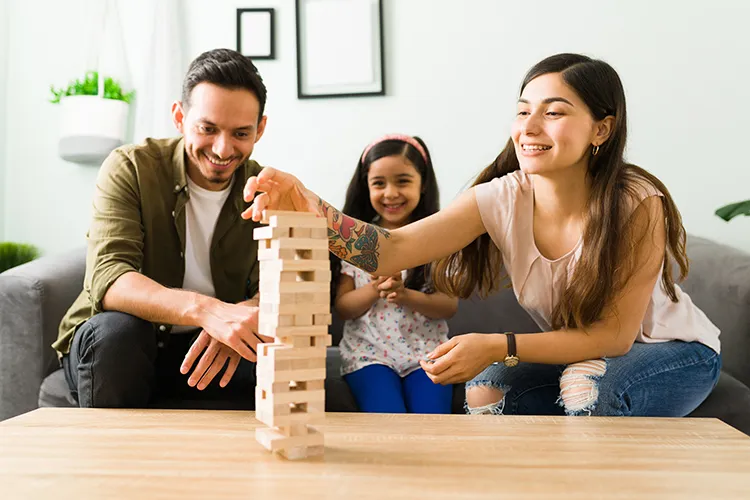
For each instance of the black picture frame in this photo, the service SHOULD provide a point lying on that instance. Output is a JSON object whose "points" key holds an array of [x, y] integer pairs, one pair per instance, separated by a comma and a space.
{"points": [[249, 52], [377, 88]]}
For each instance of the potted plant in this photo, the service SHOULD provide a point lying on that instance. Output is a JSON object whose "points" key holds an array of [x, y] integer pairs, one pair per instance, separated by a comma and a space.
{"points": [[728, 212], [94, 118], [15, 254]]}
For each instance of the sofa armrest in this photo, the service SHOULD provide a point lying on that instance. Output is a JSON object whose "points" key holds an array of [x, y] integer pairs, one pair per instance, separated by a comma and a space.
{"points": [[33, 299]]}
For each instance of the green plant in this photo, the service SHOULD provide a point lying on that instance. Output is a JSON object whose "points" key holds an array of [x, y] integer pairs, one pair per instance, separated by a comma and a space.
{"points": [[90, 86], [728, 212], [15, 254]]}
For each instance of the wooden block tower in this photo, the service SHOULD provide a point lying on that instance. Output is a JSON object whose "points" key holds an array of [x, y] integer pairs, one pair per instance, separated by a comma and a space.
{"points": [[295, 277]]}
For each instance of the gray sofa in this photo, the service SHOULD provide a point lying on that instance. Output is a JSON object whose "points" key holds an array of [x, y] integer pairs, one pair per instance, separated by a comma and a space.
{"points": [[34, 297]]}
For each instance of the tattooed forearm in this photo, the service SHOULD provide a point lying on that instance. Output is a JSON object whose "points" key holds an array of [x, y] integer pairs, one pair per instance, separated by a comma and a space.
{"points": [[352, 240]]}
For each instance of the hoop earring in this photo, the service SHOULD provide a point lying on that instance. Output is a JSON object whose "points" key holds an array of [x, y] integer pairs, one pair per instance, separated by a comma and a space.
{"points": [[595, 151]]}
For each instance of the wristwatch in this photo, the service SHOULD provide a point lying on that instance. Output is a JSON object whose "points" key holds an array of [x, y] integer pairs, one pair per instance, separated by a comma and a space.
{"points": [[511, 359]]}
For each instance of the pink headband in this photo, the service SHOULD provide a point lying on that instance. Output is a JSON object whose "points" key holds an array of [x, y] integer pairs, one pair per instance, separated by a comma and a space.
{"points": [[397, 137]]}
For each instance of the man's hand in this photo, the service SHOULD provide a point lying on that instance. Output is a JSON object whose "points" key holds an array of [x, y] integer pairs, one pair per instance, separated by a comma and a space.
{"points": [[215, 356], [393, 290], [460, 359], [234, 325], [279, 191]]}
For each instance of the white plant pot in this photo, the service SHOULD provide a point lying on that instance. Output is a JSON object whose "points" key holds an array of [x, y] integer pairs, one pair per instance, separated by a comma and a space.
{"points": [[91, 127]]}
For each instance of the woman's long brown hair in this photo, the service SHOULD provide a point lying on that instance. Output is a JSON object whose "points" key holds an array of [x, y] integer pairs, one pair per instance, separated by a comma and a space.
{"points": [[608, 257]]}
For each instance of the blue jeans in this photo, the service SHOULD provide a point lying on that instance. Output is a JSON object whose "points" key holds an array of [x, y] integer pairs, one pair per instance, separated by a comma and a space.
{"points": [[669, 379], [379, 389]]}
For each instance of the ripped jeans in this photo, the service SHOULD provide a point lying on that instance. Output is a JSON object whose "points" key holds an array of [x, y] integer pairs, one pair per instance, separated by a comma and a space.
{"points": [[669, 379]]}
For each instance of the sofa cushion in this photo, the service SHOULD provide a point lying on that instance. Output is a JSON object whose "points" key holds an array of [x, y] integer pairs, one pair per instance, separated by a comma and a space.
{"points": [[54, 391], [719, 284]]}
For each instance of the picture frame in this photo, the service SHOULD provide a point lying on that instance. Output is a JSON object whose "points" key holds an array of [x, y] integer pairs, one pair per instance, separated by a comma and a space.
{"points": [[340, 48], [256, 37]]}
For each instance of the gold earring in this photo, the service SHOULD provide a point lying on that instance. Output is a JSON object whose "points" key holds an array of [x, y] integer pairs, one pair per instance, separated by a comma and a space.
{"points": [[595, 151]]}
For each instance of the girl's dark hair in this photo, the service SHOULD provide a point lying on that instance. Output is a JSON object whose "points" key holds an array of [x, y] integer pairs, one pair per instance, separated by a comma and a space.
{"points": [[607, 259], [358, 204]]}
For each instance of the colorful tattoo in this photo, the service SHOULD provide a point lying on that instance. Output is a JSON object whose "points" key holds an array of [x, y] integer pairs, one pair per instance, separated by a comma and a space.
{"points": [[352, 240]]}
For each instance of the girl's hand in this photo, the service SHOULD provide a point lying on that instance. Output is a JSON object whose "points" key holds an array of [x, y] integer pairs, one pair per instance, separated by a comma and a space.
{"points": [[391, 284], [376, 281], [393, 290], [460, 359], [279, 191]]}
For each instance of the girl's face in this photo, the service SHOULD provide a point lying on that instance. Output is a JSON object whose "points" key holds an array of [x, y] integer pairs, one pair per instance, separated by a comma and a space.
{"points": [[395, 189], [554, 128]]}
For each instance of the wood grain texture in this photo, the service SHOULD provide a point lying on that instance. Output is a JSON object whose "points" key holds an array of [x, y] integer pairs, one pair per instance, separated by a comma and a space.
{"points": [[80, 453]]}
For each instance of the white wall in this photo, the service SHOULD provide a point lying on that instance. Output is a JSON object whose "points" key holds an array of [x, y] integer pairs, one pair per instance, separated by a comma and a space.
{"points": [[3, 97], [452, 77]]}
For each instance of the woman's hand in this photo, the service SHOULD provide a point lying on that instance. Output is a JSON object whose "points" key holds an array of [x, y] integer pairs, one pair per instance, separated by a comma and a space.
{"points": [[279, 191], [461, 358]]}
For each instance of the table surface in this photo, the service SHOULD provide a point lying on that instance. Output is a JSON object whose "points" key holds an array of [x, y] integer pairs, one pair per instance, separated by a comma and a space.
{"points": [[88, 453]]}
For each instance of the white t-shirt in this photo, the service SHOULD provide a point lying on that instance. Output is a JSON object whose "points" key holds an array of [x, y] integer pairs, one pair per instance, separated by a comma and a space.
{"points": [[388, 334], [201, 213]]}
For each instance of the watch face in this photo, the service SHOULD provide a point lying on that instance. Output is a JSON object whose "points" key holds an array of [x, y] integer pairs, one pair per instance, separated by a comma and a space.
{"points": [[511, 361]]}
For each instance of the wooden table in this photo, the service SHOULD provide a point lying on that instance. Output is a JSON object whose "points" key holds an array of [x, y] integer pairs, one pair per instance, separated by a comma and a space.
{"points": [[77, 453]]}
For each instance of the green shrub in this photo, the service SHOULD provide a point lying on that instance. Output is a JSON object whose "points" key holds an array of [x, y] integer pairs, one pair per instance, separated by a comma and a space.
{"points": [[15, 254], [90, 86]]}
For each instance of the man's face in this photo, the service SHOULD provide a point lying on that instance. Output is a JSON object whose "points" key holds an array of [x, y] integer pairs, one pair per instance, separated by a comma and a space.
{"points": [[220, 127]]}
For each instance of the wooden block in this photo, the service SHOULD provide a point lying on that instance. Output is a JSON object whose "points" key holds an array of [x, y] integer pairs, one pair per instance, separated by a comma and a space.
{"points": [[282, 387], [276, 266], [299, 222], [316, 385], [268, 233], [284, 352], [297, 397], [313, 254], [299, 243], [266, 254], [292, 331], [269, 364], [313, 341], [293, 375], [300, 232], [267, 214], [302, 320], [274, 440], [321, 319], [276, 319], [286, 415], [319, 233], [275, 286], [294, 309], [307, 363], [317, 397], [271, 254], [306, 299], [317, 275]]}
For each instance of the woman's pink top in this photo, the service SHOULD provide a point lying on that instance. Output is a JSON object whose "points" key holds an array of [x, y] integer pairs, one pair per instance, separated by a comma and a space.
{"points": [[506, 205]]}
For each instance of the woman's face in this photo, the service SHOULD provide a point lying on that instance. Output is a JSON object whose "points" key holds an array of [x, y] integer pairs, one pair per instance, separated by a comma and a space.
{"points": [[554, 129]]}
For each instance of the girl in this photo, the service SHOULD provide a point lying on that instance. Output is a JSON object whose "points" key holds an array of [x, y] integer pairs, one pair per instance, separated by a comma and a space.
{"points": [[393, 321], [587, 241]]}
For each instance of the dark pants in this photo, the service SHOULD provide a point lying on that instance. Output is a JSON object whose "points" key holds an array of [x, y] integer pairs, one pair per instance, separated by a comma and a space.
{"points": [[119, 361]]}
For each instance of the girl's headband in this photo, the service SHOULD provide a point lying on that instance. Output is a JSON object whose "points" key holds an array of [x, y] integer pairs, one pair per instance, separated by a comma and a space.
{"points": [[397, 137]]}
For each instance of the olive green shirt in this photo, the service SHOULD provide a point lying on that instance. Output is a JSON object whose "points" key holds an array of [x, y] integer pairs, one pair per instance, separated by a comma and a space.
{"points": [[138, 224]]}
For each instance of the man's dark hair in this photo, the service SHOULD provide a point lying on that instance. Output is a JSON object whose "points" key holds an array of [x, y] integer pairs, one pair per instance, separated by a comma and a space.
{"points": [[225, 68]]}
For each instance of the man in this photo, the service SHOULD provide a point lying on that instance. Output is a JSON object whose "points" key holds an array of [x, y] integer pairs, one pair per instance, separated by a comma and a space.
{"points": [[169, 257]]}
